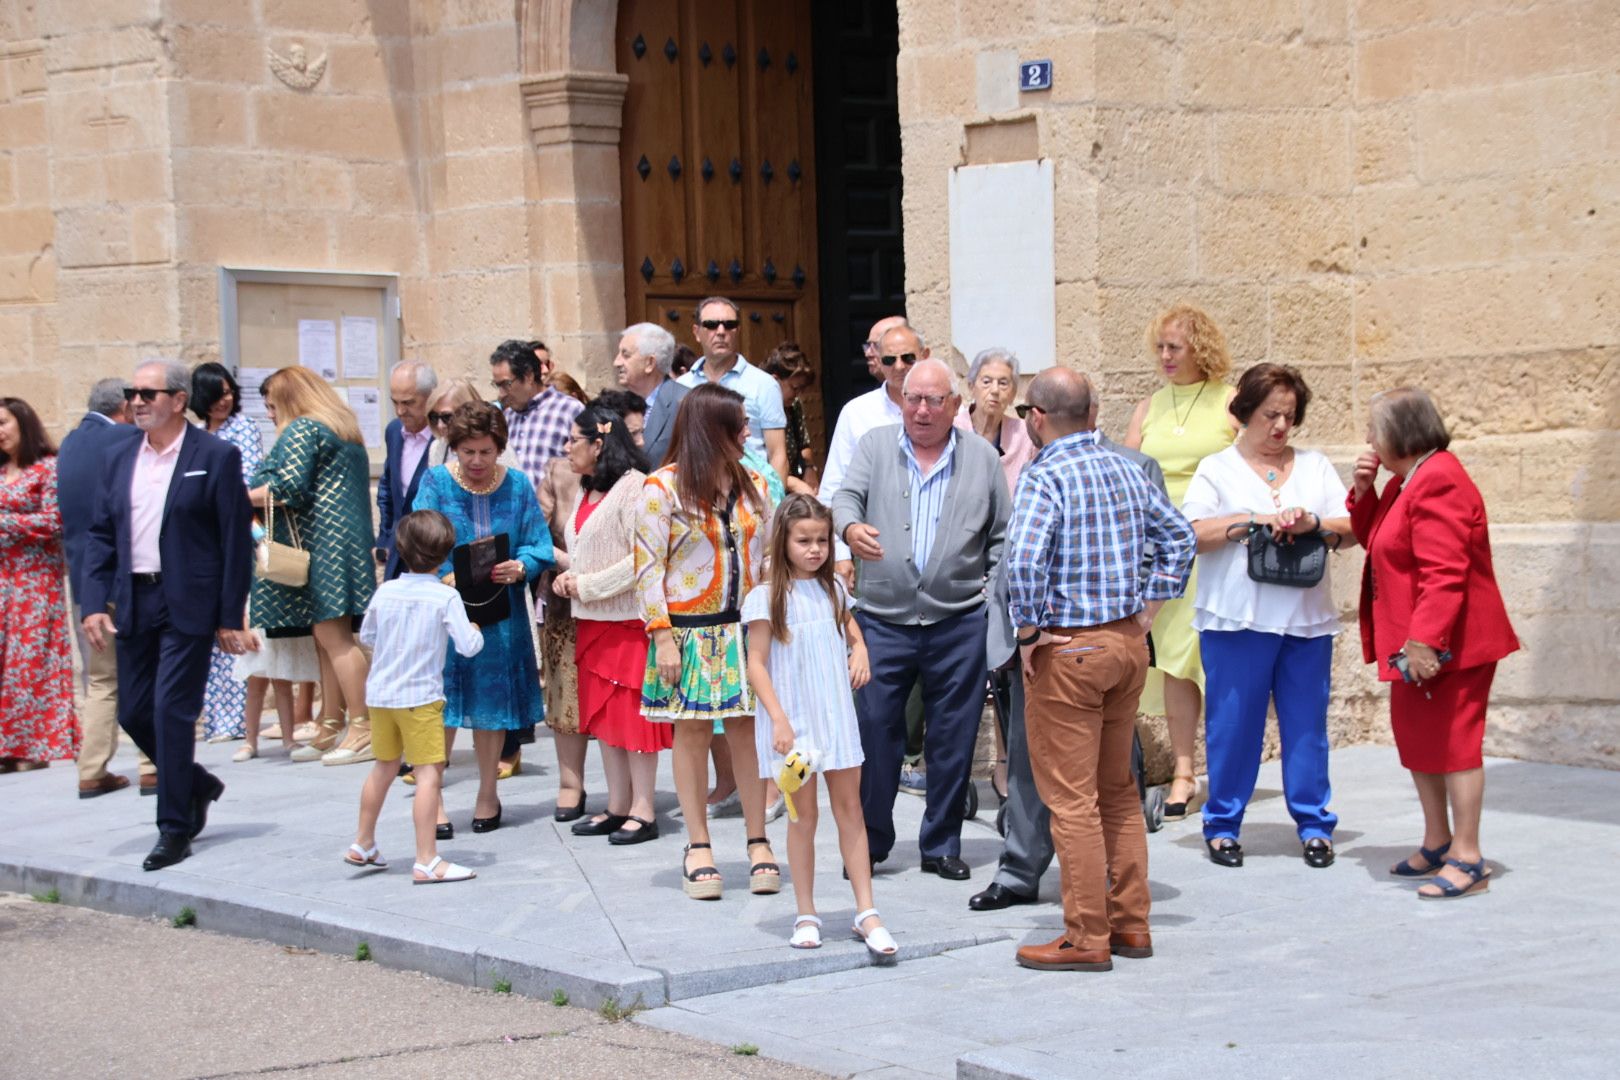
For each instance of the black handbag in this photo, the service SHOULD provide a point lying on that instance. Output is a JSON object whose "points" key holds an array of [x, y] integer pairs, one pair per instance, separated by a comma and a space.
{"points": [[1295, 561]]}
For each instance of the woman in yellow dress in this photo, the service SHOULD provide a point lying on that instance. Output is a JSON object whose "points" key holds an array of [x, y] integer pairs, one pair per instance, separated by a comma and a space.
{"points": [[1178, 427]]}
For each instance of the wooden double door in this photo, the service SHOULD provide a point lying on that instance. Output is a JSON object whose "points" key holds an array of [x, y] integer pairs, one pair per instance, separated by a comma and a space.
{"points": [[718, 169]]}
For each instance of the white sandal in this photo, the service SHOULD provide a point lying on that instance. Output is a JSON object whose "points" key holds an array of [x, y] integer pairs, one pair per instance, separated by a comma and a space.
{"points": [[879, 942], [452, 872], [361, 857], [806, 932], [246, 753]]}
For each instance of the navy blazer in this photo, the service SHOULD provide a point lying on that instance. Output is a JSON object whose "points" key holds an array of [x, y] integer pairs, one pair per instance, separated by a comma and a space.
{"points": [[206, 539], [79, 467], [660, 425], [393, 502]]}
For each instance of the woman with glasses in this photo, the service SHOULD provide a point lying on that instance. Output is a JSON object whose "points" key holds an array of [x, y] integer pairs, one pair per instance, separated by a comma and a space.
{"points": [[993, 385]]}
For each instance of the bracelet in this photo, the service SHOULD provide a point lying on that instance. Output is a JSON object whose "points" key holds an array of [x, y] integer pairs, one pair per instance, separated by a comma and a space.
{"points": [[1034, 636]]}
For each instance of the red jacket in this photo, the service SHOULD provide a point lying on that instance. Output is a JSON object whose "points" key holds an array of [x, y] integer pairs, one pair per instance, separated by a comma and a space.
{"points": [[1428, 575]]}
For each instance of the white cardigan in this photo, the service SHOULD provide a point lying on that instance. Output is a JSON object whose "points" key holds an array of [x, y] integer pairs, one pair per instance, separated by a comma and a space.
{"points": [[604, 555]]}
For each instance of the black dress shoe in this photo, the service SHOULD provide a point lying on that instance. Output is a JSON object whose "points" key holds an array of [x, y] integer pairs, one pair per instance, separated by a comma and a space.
{"points": [[171, 848], [946, 866], [446, 831], [201, 796], [1318, 853], [488, 824], [570, 813], [1225, 851], [648, 831], [611, 823], [996, 897]]}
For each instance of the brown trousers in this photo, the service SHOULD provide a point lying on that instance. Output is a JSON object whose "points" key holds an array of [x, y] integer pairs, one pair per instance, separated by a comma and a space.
{"points": [[1080, 717], [98, 720]]}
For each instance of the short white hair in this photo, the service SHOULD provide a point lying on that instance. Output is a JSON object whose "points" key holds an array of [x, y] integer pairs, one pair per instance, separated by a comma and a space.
{"points": [[931, 362], [426, 377], [654, 341], [996, 354]]}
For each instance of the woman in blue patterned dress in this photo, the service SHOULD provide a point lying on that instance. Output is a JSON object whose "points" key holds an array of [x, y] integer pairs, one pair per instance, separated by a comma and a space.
{"points": [[497, 690], [217, 401]]}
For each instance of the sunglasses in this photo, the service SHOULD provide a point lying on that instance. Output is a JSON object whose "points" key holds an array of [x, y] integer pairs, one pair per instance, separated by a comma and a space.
{"points": [[720, 324], [1024, 410], [905, 358], [440, 417], [145, 393]]}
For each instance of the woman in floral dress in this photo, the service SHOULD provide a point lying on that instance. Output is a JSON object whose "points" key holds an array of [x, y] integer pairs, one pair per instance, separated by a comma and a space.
{"points": [[37, 722], [217, 401]]}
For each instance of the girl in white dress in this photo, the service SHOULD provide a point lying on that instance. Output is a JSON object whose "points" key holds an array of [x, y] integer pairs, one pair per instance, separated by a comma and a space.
{"points": [[805, 659]]}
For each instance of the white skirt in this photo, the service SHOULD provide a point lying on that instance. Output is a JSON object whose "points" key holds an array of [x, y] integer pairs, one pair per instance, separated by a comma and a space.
{"points": [[292, 659]]}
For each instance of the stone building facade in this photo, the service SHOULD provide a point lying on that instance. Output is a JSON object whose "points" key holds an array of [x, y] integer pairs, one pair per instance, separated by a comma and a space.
{"points": [[1379, 191]]}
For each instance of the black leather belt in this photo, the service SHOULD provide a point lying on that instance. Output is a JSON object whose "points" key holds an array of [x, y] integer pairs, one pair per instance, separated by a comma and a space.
{"points": [[720, 618], [146, 579]]}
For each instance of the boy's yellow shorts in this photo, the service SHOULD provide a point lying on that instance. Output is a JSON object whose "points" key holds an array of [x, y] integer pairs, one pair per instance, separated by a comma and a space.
{"points": [[417, 734]]}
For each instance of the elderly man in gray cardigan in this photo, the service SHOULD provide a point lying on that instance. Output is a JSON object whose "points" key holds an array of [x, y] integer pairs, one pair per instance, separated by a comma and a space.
{"points": [[924, 509]]}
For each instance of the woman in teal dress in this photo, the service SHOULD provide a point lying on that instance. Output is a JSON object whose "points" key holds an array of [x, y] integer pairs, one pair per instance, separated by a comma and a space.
{"points": [[498, 690], [318, 476]]}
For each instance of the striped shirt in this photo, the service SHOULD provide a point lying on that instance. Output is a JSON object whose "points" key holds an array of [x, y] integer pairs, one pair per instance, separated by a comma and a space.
{"points": [[407, 626], [1081, 521], [927, 497]]}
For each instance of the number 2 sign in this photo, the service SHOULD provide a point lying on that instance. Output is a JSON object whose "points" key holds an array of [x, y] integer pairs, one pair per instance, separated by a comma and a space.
{"points": [[1035, 75]]}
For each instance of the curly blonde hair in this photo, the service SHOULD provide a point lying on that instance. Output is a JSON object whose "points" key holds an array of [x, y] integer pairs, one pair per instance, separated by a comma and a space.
{"points": [[1204, 339]]}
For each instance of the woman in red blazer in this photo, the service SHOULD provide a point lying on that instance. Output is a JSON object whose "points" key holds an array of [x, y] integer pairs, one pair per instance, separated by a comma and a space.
{"points": [[1429, 595]]}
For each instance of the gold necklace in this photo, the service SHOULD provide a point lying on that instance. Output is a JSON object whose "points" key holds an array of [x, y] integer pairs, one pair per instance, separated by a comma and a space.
{"points": [[1181, 421], [495, 480]]}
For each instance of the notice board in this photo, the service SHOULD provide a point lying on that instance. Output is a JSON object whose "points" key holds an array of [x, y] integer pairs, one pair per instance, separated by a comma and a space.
{"points": [[1003, 261]]}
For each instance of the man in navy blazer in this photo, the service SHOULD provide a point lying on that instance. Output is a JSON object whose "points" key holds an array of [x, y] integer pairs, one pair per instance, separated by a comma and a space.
{"points": [[170, 553], [407, 440], [646, 352]]}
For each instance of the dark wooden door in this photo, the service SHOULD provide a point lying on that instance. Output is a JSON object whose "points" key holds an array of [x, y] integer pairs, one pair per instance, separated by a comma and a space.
{"points": [[718, 168]]}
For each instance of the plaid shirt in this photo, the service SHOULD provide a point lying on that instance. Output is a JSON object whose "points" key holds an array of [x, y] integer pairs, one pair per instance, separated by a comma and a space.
{"points": [[1075, 547], [541, 431]]}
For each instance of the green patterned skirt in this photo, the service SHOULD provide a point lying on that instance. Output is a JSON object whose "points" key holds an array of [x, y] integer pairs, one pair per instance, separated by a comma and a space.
{"points": [[714, 677]]}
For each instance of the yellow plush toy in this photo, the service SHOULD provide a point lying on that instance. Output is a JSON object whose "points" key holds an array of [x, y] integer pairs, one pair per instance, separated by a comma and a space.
{"points": [[796, 769]]}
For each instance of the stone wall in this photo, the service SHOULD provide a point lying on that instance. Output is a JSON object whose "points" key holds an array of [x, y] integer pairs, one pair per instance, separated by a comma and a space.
{"points": [[1377, 191]]}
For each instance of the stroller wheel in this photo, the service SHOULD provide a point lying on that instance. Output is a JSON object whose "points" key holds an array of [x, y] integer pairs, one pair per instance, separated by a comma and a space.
{"points": [[1153, 809], [970, 805], [1001, 821]]}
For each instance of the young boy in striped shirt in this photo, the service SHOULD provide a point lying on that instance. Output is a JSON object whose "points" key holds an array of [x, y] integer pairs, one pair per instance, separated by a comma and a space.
{"points": [[410, 622]]}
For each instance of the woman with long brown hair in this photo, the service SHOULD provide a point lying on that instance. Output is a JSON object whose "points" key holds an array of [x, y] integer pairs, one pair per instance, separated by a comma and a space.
{"points": [[699, 545]]}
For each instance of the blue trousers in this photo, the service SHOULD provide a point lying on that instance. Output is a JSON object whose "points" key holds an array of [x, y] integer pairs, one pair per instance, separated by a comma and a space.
{"points": [[1244, 670], [949, 658]]}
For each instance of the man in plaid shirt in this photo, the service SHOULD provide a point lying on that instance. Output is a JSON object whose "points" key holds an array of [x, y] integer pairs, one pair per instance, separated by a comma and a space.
{"points": [[539, 418], [1082, 518]]}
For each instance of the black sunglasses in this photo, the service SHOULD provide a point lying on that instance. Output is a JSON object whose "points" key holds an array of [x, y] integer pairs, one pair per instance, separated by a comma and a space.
{"points": [[145, 393], [907, 359], [1024, 410], [440, 417], [716, 324]]}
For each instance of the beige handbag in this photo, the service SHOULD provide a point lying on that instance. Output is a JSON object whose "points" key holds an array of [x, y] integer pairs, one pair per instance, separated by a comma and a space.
{"points": [[281, 563]]}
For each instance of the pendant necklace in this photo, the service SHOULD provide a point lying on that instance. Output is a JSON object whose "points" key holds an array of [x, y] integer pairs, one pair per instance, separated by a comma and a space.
{"points": [[1181, 421]]}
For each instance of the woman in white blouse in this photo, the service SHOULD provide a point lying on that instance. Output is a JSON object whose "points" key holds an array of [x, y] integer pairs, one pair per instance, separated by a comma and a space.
{"points": [[1263, 642]]}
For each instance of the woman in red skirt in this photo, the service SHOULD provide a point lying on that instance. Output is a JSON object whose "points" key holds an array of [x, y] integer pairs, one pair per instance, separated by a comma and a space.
{"points": [[610, 651], [1430, 605]]}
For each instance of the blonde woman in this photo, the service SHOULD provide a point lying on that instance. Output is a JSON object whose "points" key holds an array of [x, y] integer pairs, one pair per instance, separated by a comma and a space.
{"points": [[318, 478], [1179, 426]]}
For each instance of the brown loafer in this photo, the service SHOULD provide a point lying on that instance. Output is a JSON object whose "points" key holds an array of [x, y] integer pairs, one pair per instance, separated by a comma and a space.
{"points": [[1132, 946], [148, 783], [90, 789], [1059, 955]]}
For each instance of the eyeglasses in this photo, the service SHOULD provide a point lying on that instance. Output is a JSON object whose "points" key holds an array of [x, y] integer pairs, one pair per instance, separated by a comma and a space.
{"points": [[905, 358], [933, 401], [440, 417], [720, 324], [1024, 410], [869, 347], [145, 393], [501, 384]]}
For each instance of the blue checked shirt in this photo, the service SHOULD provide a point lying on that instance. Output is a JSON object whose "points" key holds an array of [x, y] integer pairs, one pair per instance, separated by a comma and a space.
{"points": [[1075, 547], [927, 497], [541, 432]]}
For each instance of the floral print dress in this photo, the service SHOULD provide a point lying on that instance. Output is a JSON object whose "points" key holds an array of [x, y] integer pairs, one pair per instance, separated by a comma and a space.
{"points": [[37, 721], [225, 701]]}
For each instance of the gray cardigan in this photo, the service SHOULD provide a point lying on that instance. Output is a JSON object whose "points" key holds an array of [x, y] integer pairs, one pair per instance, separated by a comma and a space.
{"points": [[967, 546]]}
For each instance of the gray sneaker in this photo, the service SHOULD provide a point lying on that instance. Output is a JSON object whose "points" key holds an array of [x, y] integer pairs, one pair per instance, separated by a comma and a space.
{"points": [[913, 781], [730, 806]]}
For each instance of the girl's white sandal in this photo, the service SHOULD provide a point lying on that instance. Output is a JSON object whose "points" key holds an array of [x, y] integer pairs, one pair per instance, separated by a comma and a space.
{"points": [[452, 872], [879, 942], [361, 857], [806, 932]]}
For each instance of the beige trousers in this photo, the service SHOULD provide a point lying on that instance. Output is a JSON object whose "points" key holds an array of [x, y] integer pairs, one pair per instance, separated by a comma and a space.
{"points": [[98, 720]]}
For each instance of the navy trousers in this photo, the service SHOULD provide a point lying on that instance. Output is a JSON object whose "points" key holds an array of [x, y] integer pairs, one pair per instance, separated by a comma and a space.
{"points": [[162, 675], [948, 657]]}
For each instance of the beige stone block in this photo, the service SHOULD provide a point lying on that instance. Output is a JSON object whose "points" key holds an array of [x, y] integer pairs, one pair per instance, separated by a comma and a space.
{"points": [[314, 184], [1267, 237], [937, 86], [1383, 16], [1074, 67], [22, 123], [1510, 395], [577, 172], [151, 230], [1400, 65], [125, 307], [244, 237], [567, 234], [472, 304], [996, 81], [1382, 143], [1326, 20], [1566, 658], [8, 182], [103, 46], [1144, 236], [352, 17], [31, 170], [1136, 68], [1158, 15], [378, 244], [995, 20], [23, 71], [1311, 323], [1551, 731], [1079, 343], [1556, 476], [218, 54], [478, 53], [930, 313], [1166, 148], [60, 19], [1387, 318], [1549, 39], [1075, 240], [1602, 584], [225, 178], [1241, 20], [25, 230], [94, 236], [1287, 153], [357, 67], [468, 13], [209, 114], [484, 237], [237, 16], [483, 117], [383, 186], [1329, 420], [95, 120], [353, 128], [1543, 569], [927, 26], [1568, 304], [1264, 75], [1545, 123]]}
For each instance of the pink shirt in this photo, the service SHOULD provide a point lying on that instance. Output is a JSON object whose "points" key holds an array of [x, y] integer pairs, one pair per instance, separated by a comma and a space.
{"points": [[1016, 448], [412, 449], [148, 492]]}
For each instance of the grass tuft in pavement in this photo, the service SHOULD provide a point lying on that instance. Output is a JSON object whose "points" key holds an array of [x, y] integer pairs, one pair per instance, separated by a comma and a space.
{"points": [[611, 1011], [502, 986], [362, 952], [559, 998], [187, 917], [745, 1050], [50, 896]]}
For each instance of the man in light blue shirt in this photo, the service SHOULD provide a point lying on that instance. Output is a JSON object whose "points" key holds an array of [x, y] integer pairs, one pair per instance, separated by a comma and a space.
{"points": [[716, 326]]}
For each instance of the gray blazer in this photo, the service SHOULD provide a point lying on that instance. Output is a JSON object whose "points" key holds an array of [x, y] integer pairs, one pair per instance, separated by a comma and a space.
{"points": [[967, 546], [1002, 639], [660, 425]]}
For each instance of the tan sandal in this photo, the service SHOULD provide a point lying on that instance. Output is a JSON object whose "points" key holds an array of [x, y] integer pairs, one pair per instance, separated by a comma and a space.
{"points": [[328, 730]]}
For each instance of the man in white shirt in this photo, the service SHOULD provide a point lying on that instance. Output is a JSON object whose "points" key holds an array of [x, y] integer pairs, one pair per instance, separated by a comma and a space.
{"points": [[716, 326]]}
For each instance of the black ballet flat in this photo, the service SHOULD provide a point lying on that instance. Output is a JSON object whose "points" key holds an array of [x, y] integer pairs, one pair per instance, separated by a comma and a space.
{"points": [[623, 836], [610, 823], [1225, 851], [570, 813], [445, 831], [488, 824]]}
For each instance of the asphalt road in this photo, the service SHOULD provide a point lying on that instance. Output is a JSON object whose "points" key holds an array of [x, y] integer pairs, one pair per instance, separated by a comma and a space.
{"points": [[86, 994]]}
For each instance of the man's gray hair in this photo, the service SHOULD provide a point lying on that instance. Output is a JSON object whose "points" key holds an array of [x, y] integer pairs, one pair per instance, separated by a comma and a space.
{"points": [[426, 378], [654, 341], [176, 376], [932, 363], [995, 354], [107, 397]]}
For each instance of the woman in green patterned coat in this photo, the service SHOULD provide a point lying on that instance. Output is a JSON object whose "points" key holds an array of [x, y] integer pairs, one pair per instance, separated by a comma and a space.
{"points": [[318, 475]]}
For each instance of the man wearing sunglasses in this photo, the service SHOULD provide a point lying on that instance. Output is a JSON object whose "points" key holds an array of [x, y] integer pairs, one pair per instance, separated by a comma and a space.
{"points": [[168, 561], [406, 441], [717, 324]]}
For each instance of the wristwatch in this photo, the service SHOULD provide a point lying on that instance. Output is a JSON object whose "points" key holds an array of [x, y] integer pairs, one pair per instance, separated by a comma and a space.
{"points": [[1034, 636]]}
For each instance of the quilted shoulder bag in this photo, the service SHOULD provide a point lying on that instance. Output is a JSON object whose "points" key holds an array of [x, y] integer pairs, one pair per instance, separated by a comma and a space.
{"points": [[1295, 561], [282, 563]]}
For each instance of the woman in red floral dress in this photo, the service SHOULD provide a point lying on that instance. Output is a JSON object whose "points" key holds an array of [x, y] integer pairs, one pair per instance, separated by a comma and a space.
{"points": [[37, 722]]}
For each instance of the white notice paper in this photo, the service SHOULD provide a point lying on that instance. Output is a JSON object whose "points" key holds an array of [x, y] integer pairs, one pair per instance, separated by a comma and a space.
{"points": [[366, 401], [359, 347], [1003, 261], [317, 347], [250, 379]]}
